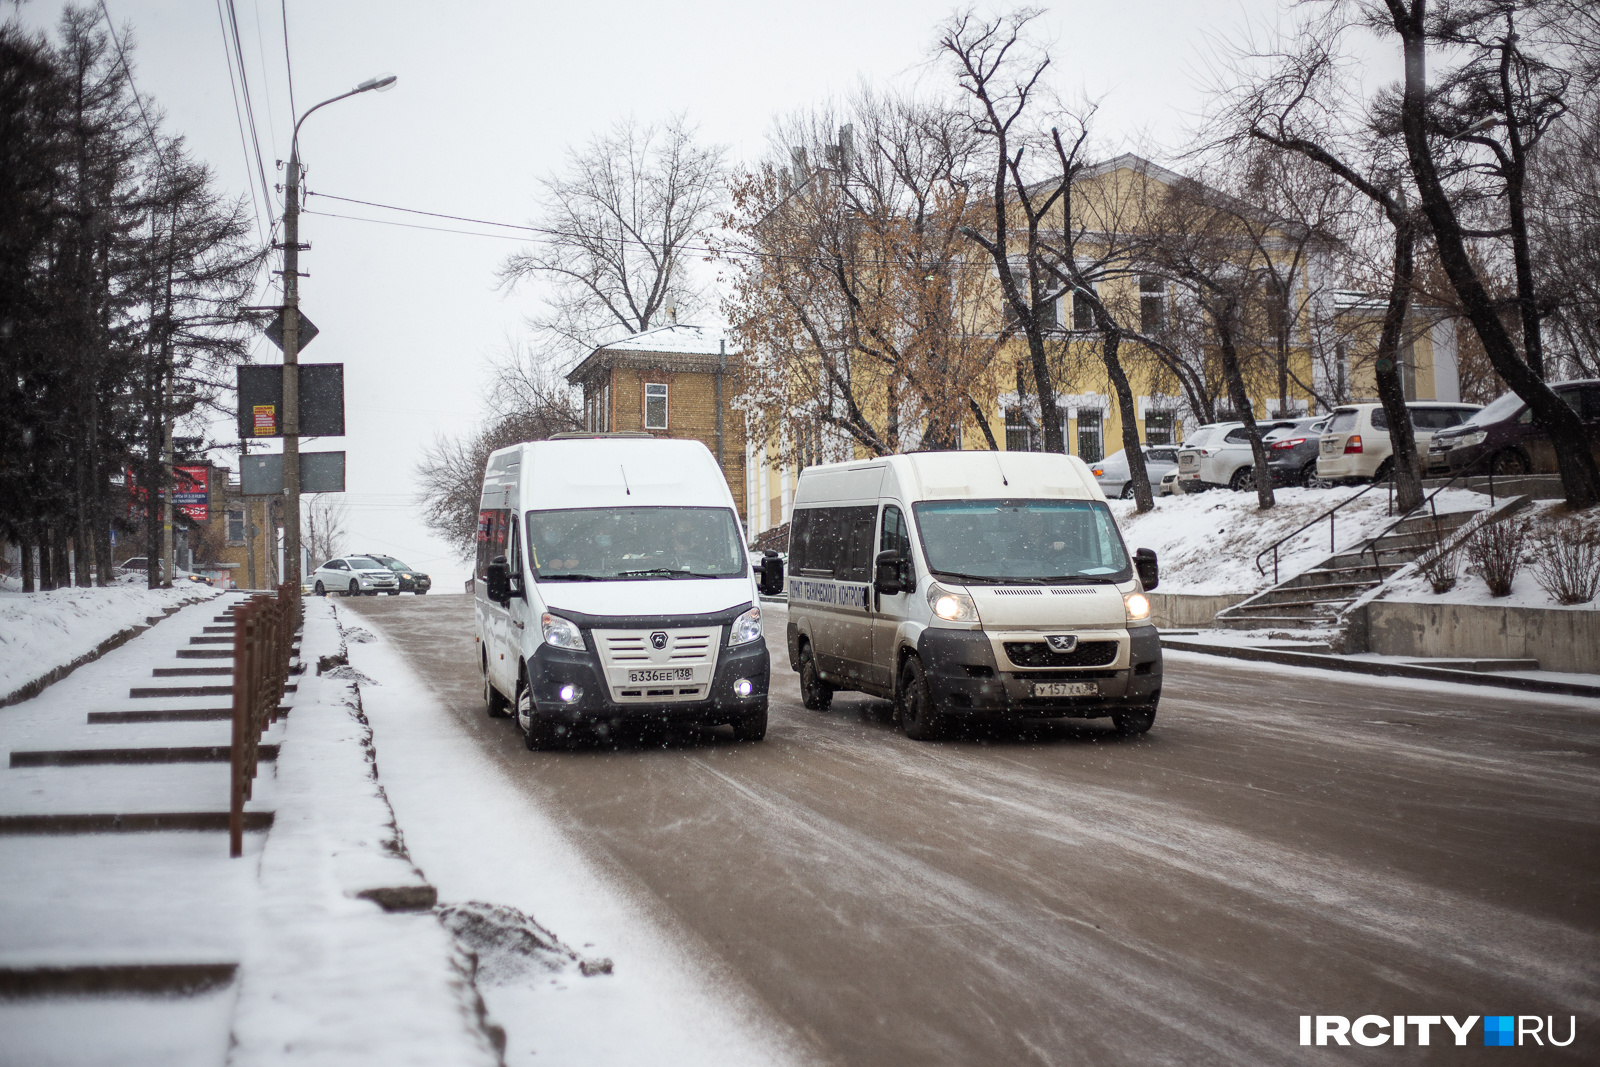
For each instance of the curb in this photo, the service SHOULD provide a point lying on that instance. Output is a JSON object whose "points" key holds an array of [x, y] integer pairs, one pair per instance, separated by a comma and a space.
{"points": [[29, 690], [1384, 670], [148, 978]]}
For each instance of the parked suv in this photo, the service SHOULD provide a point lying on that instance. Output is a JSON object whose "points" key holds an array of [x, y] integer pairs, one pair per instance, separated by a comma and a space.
{"points": [[353, 576], [1356, 447], [1506, 431], [411, 579], [1116, 480], [1219, 454], [1292, 450]]}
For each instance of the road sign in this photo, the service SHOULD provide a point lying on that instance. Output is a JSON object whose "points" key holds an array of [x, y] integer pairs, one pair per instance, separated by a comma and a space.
{"points": [[321, 400], [320, 472], [274, 330]]}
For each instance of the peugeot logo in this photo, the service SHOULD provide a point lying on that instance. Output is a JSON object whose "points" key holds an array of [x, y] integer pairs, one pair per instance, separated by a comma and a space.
{"points": [[1062, 642], [658, 640]]}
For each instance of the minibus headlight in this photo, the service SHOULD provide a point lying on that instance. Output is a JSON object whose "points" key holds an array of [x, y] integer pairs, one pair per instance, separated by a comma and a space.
{"points": [[1137, 605], [745, 628], [560, 633], [951, 606]]}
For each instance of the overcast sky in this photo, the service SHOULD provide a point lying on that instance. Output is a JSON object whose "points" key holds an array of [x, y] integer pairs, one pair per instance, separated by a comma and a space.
{"points": [[488, 98]]}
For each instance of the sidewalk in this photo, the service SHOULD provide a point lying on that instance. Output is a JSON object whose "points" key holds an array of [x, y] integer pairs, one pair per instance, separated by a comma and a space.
{"points": [[127, 935]]}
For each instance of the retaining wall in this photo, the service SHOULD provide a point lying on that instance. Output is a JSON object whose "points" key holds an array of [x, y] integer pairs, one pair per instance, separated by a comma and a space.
{"points": [[1561, 640], [1179, 610]]}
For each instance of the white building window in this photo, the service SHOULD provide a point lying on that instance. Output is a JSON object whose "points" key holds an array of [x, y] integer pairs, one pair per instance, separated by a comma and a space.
{"points": [[655, 406]]}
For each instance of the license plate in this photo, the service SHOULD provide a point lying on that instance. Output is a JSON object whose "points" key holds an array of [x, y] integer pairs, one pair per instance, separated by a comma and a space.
{"points": [[1065, 689], [668, 674]]}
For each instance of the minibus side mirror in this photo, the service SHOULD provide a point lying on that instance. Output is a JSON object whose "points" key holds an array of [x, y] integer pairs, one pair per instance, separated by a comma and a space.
{"points": [[771, 581], [886, 575], [1144, 561], [498, 581]]}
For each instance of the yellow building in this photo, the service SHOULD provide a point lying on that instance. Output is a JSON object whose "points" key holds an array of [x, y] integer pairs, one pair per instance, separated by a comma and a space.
{"points": [[670, 381]]}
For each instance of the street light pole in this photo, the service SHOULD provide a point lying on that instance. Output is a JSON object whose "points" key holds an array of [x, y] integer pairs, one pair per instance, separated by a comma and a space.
{"points": [[291, 339]]}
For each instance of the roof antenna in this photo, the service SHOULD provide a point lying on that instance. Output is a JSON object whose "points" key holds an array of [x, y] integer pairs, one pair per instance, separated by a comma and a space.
{"points": [[1002, 470], [624, 471]]}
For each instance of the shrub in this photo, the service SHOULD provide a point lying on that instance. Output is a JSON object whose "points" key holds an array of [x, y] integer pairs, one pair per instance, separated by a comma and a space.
{"points": [[1567, 563], [1441, 568], [1496, 549]]}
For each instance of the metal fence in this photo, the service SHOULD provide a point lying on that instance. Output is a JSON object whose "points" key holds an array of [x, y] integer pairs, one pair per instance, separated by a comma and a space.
{"points": [[263, 641]]}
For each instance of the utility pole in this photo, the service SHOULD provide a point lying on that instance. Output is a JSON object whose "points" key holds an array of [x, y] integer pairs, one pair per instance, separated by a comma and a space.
{"points": [[291, 371], [291, 339]]}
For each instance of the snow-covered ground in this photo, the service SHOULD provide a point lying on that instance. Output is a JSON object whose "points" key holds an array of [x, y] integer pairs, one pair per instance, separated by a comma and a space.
{"points": [[480, 839], [42, 631], [323, 976], [1206, 543], [1526, 591]]}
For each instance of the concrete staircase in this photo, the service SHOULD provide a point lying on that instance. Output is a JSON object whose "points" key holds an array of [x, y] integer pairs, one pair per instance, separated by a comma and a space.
{"points": [[1315, 600]]}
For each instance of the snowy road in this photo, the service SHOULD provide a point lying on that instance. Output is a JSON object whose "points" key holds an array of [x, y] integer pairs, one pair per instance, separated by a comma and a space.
{"points": [[1283, 843]]}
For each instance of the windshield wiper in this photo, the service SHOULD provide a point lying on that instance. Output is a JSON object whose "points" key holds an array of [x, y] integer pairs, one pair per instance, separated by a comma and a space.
{"points": [[667, 572], [571, 578], [1029, 579]]}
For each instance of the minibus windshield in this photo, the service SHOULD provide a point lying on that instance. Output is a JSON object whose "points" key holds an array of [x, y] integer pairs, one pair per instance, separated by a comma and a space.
{"points": [[633, 544], [1022, 540]]}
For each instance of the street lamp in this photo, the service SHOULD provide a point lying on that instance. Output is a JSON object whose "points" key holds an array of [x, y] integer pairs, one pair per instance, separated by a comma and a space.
{"points": [[291, 337]]}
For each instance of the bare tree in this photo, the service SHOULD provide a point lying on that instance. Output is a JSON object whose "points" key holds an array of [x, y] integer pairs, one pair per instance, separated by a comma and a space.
{"points": [[852, 295], [325, 529], [1472, 136], [620, 224]]}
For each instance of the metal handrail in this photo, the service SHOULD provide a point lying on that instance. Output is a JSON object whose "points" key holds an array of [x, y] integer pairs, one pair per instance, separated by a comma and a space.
{"points": [[1433, 509], [263, 642], [1389, 482]]}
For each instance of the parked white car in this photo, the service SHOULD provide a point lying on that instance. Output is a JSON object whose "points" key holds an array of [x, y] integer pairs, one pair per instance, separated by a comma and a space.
{"points": [[1116, 480], [354, 576], [1219, 455], [1356, 445]]}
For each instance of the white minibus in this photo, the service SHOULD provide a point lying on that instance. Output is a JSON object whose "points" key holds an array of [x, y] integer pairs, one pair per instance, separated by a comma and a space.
{"points": [[612, 584], [969, 584]]}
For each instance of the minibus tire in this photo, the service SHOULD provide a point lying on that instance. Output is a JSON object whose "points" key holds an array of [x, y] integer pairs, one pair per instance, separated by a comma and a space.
{"points": [[537, 734], [917, 717], [1132, 723], [751, 727], [496, 705], [815, 694]]}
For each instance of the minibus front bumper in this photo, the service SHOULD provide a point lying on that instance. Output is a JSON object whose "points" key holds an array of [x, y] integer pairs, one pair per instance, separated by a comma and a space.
{"points": [[964, 679], [552, 669]]}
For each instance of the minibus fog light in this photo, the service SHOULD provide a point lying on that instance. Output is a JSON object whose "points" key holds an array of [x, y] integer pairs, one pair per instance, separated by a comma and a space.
{"points": [[742, 688], [1137, 606], [570, 694]]}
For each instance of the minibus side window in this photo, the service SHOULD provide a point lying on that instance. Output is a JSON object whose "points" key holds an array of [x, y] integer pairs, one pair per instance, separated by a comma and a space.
{"points": [[493, 525], [896, 538], [854, 530]]}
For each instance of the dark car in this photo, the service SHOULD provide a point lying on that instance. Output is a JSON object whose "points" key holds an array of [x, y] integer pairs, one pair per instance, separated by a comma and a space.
{"points": [[1292, 450], [1503, 436], [411, 579]]}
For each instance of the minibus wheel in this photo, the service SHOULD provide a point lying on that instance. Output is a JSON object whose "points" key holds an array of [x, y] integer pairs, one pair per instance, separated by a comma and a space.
{"points": [[917, 717], [1130, 723], [815, 694], [536, 733], [751, 727], [496, 705]]}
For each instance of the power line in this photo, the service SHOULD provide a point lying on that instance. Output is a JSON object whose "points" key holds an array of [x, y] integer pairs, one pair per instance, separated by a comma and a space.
{"points": [[116, 43], [244, 91], [283, 5], [238, 114]]}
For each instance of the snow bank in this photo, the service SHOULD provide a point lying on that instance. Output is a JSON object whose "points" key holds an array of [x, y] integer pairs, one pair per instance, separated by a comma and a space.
{"points": [[328, 976], [1525, 589], [1206, 543], [42, 633]]}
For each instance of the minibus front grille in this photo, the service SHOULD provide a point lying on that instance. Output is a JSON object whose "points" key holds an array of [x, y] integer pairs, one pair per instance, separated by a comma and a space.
{"points": [[1039, 654], [637, 670]]}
